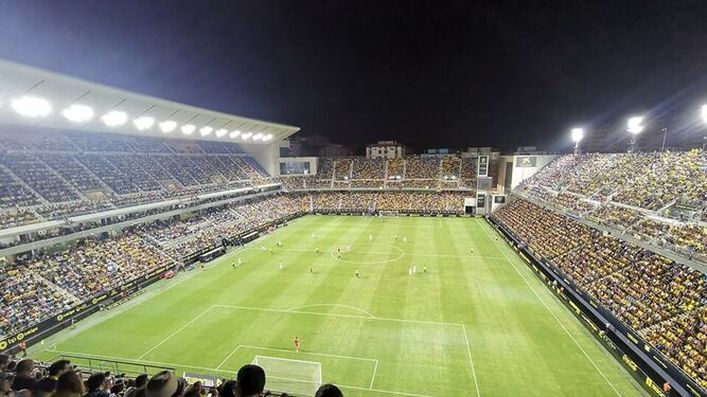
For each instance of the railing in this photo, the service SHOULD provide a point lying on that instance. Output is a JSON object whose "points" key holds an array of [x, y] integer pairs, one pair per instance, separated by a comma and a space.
{"points": [[116, 367]]}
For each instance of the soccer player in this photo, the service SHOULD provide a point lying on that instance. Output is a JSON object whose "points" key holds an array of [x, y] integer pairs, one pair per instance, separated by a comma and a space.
{"points": [[233, 265], [472, 251], [279, 243], [358, 275], [414, 269], [271, 252], [311, 270], [264, 249], [405, 239], [409, 271], [396, 237], [297, 343], [424, 269], [316, 250], [240, 261], [282, 266]]}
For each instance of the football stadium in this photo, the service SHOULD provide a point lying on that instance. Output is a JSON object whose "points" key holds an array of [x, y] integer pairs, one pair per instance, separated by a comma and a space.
{"points": [[153, 248]]}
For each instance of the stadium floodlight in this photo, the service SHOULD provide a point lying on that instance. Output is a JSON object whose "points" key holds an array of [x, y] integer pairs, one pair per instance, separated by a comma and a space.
{"points": [[31, 106], [703, 113], [267, 137], [221, 132], [577, 134], [234, 134], [246, 135], [144, 123], [168, 126], [114, 118], [188, 129], [257, 136], [78, 113], [205, 130], [634, 125]]}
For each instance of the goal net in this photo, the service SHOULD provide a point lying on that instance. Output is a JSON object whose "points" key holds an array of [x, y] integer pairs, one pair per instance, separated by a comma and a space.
{"points": [[389, 213], [291, 376]]}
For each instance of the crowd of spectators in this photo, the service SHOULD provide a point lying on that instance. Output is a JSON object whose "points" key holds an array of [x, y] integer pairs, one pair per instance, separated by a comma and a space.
{"points": [[452, 202], [49, 175], [661, 300], [646, 180], [196, 232], [41, 285], [23, 377], [445, 173], [634, 193]]}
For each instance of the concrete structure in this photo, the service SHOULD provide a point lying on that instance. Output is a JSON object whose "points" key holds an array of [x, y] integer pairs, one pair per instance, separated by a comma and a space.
{"points": [[385, 150]]}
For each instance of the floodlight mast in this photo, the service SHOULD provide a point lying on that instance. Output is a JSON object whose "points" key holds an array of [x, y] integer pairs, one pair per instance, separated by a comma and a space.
{"points": [[577, 136], [634, 127], [703, 115]]}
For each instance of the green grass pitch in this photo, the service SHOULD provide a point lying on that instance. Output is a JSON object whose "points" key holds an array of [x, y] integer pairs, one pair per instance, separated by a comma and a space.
{"points": [[477, 323]]}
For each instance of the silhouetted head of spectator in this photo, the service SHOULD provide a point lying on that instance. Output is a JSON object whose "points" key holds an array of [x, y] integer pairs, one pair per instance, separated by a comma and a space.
{"points": [[95, 382], [329, 390], [250, 381], [165, 384], [227, 389], [141, 380], [25, 367], [59, 367], [4, 360], [69, 384]]}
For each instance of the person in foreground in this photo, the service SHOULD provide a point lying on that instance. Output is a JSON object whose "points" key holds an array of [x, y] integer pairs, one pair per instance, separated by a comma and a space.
{"points": [[250, 381], [329, 390]]}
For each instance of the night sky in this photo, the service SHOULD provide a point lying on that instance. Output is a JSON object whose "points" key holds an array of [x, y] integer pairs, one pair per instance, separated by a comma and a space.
{"points": [[427, 73]]}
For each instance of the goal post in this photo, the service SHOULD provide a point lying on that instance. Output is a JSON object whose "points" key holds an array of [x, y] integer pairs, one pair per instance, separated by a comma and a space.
{"points": [[292, 376]]}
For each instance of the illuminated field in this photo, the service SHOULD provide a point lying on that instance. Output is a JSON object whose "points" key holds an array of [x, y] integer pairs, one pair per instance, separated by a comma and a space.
{"points": [[478, 322]]}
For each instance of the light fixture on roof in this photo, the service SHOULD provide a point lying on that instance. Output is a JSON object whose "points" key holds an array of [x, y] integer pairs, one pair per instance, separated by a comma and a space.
{"points": [[188, 129], [205, 130], [234, 134], [703, 113], [634, 125], [246, 135], [168, 126], [221, 132], [144, 123], [78, 113], [114, 118], [267, 137], [31, 106], [257, 136]]}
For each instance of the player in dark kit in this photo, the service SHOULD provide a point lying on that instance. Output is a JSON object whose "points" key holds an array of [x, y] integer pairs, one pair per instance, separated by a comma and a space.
{"points": [[297, 343]]}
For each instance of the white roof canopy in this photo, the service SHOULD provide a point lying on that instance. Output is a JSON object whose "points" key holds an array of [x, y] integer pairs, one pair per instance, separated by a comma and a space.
{"points": [[47, 95]]}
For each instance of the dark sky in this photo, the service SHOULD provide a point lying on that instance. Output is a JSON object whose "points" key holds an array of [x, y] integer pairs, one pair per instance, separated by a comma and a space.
{"points": [[428, 73]]}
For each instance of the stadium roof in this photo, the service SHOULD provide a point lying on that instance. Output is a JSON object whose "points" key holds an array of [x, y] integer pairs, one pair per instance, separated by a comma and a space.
{"points": [[36, 97]]}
